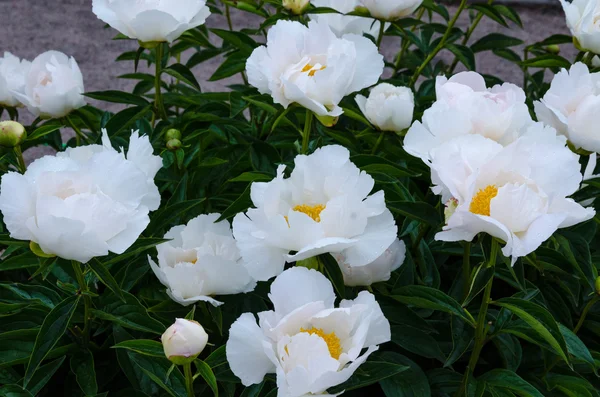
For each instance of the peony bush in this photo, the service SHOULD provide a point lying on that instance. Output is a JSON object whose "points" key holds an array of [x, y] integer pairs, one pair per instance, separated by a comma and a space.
{"points": [[336, 222]]}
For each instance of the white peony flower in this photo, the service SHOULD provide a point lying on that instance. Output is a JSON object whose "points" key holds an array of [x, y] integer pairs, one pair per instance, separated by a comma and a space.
{"points": [[379, 270], [388, 108], [516, 193], [184, 340], [306, 341], [324, 206], [152, 20], [312, 67], [344, 24], [391, 10], [572, 106], [465, 106], [12, 79], [582, 17], [83, 202], [201, 260], [53, 86]]}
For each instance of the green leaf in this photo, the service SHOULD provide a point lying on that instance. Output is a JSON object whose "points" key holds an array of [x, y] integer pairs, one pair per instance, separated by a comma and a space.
{"points": [[82, 365], [494, 41], [43, 131], [44, 374], [130, 314], [143, 346], [54, 326], [16, 346], [164, 216], [252, 177], [509, 380], [118, 97], [14, 391], [464, 54], [159, 370], [182, 73], [25, 260], [234, 64], [540, 320], [207, 374], [490, 12], [371, 372], [547, 61], [416, 341], [334, 274], [238, 39], [17, 293], [419, 211], [105, 277], [576, 347], [125, 118], [370, 163], [431, 298], [572, 386], [410, 383], [241, 204]]}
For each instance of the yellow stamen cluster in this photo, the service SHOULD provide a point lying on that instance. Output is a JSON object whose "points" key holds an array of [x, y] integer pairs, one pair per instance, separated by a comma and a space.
{"points": [[314, 211], [311, 72], [333, 342], [481, 201]]}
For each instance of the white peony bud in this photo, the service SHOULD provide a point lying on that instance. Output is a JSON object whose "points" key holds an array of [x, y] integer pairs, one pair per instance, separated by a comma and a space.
{"points": [[53, 86], [12, 79], [184, 341], [388, 108], [296, 6], [379, 270], [391, 10], [150, 20], [11, 133]]}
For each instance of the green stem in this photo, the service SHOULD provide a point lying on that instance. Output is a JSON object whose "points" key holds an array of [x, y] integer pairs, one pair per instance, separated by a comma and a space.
{"points": [[440, 46], [584, 314], [78, 134], [228, 15], [307, 130], [381, 33], [189, 379], [158, 102], [406, 42], [86, 298], [468, 35], [480, 330], [588, 58], [466, 269], [20, 160], [378, 143]]}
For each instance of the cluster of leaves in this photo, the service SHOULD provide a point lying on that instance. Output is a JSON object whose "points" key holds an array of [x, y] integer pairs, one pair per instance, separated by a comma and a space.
{"points": [[535, 345]]}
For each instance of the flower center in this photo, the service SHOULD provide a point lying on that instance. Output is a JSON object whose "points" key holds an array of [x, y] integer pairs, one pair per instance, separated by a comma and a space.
{"points": [[314, 211], [481, 201], [333, 342], [312, 69]]}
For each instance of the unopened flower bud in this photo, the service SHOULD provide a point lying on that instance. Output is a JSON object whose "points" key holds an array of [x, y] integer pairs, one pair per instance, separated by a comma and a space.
{"points": [[296, 6], [327, 121], [184, 341], [11, 133], [553, 49], [597, 285], [172, 133], [173, 144]]}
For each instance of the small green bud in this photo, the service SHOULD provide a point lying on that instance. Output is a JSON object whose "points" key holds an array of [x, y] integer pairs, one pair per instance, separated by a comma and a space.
{"points": [[173, 144], [310, 263], [172, 133], [328, 121], [597, 285], [11, 134], [553, 49], [149, 44], [364, 11]]}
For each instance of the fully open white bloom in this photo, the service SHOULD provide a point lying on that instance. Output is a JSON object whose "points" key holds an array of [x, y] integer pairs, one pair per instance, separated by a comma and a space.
{"points": [[379, 270], [572, 106], [183, 340], [201, 260], [582, 19], [83, 202], [465, 106], [391, 10], [152, 20], [12, 79], [53, 86], [388, 107], [312, 67], [344, 24], [324, 206], [306, 341], [516, 193]]}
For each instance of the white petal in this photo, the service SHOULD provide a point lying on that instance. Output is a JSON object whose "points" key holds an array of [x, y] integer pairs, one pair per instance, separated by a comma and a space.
{"points": [[298, 286]]}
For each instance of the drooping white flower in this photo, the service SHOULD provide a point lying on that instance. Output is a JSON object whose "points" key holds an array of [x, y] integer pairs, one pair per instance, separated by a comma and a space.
{"points": [[310, 345], [201, 260], [324, 206], [184, 340], [391, 10], [152, 20], [388, 108], [344, 24], [379, 270], [312, 67], [12, 79], [516, 193], [83, 202], [53, 86], [465, 106], [582, 17], [572, 106]]}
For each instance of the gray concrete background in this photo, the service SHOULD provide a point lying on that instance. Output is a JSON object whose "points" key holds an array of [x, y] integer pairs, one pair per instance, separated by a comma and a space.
{"points": [[30, 27]]}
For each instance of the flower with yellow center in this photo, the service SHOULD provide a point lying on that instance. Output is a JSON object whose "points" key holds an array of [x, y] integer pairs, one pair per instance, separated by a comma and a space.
{"points": [[308, 343], [480, 204]]}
